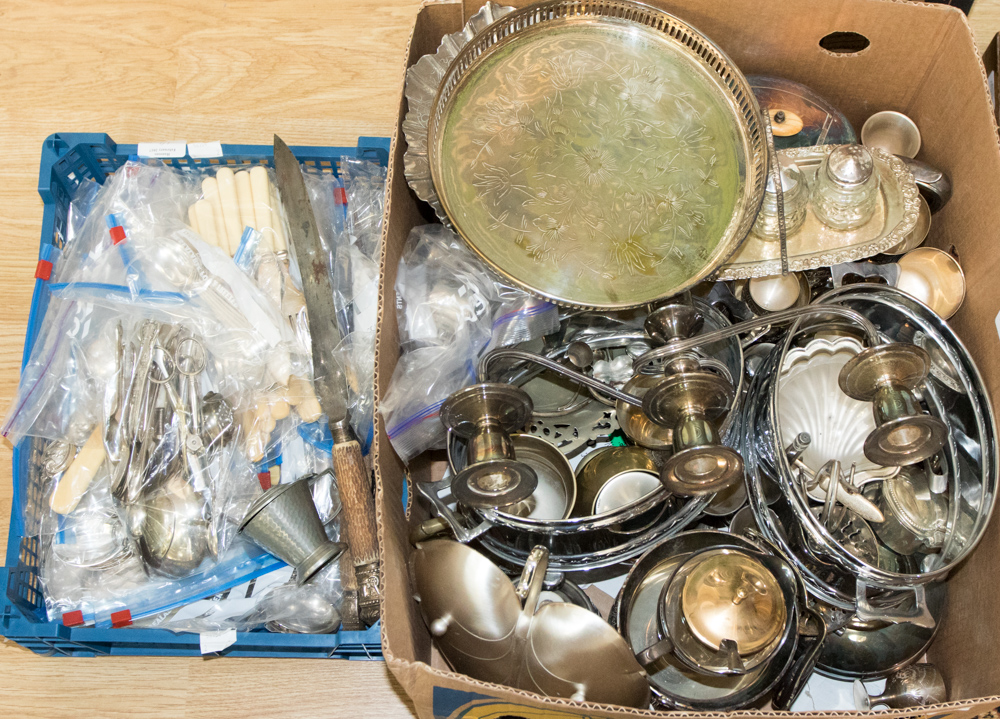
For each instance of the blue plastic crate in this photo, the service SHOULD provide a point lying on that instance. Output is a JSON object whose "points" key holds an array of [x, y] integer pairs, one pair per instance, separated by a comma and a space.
{"points": [[67, 160]]}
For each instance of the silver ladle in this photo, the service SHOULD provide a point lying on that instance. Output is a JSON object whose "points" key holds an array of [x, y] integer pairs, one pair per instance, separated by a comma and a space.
{"points": [[174, 526]]}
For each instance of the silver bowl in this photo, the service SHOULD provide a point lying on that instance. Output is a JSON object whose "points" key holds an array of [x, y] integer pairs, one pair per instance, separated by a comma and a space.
{"points": [[954, 391]]}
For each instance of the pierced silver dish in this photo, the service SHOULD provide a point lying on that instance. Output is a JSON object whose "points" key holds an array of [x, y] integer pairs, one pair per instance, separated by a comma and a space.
{"points": [[599, 155]]}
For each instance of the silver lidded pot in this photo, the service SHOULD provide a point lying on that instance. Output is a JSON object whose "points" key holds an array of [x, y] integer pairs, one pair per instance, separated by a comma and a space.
{"points": [[795, 198], [637, 613], [845, 194]]}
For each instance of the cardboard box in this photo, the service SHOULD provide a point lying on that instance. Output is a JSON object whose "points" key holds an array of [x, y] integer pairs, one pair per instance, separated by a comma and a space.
{"points": [[920, 60]]}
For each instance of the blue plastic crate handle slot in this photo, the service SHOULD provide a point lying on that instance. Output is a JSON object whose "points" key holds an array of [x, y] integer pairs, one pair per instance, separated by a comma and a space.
{"points": [[375, 148]]}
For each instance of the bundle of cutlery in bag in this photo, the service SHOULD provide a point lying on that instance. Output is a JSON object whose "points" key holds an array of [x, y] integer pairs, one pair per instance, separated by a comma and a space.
{"points": [[182, 408], [710, 441]]}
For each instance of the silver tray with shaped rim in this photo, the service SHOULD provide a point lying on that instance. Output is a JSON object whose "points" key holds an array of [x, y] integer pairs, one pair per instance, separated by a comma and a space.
{"points": [[423, 79], [816, 245], [600, 155]]}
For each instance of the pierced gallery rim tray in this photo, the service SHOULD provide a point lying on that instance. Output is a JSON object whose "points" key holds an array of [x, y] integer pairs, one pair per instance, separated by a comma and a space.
{"points": [[600, 155]]}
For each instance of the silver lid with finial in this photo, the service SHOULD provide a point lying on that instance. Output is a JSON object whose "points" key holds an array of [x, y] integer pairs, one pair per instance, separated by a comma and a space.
{"points": [[850, 165]]}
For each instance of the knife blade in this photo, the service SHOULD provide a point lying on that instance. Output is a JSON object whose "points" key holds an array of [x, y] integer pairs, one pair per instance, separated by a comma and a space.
{"points": [[317, 284], [329, 378]]}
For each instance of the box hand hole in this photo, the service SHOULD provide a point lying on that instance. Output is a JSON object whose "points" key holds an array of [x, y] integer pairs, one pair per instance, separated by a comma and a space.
{"points": [[844, 43]]}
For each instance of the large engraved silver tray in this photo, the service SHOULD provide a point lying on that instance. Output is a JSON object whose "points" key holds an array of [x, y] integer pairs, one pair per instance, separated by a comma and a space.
{"points": [[815, 244], [598, 154]]}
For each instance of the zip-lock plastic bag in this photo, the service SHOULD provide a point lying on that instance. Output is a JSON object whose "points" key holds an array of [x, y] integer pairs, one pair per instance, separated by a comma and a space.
{"points": [[228, 609], [135, 252], [144, 514], [290, 607], [521, 318], [92, 563], [364, 185], [61, 390], [185, 281], [172, 443], [118, 596], [135, 378], [450, 311], [274, 601], [444, 293], [310, 608], [147, 198]]}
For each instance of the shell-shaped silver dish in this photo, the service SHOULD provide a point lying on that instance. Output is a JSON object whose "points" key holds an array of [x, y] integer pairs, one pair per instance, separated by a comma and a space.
{"points": [[810, 400]]}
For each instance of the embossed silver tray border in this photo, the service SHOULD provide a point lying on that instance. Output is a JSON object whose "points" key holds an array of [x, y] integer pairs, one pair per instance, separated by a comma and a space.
{"points": [[423, 79], [701, 48], [907, 187]]}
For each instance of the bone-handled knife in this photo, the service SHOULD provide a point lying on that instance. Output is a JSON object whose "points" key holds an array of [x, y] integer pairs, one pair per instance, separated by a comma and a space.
{"points": [[329, 379]]}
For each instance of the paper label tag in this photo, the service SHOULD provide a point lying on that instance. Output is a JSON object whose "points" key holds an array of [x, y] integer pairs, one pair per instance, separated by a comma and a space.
{"points": [[997, 323], [177, 148], [199, 150], [217, 641]]}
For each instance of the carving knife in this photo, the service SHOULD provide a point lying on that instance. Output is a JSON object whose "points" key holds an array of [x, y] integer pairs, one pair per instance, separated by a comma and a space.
{"points": [[358, 517]]}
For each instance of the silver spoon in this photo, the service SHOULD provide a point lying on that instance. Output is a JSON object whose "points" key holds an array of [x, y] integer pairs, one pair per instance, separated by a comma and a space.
{"points": [[304, 610], [174, 526]]}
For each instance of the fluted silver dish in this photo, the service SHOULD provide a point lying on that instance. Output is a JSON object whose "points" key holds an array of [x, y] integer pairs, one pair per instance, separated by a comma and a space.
{"points": [[422, 82]]}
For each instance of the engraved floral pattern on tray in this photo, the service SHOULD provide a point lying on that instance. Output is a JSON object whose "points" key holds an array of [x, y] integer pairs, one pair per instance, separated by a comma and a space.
{"points": [[422, 82], [597, 165]]}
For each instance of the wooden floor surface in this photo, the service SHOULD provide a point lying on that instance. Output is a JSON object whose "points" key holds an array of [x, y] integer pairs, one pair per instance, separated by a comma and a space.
{"points": [[317, 73]]}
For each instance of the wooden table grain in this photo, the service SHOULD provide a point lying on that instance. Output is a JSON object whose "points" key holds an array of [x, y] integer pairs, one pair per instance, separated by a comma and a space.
{"points": [[317, 73]]}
